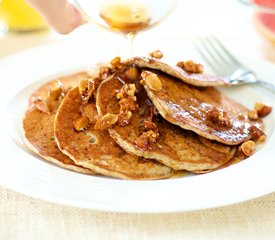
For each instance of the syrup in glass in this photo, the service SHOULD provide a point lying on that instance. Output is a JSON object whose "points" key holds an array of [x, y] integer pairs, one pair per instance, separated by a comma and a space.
{"points": [[127, 18]]}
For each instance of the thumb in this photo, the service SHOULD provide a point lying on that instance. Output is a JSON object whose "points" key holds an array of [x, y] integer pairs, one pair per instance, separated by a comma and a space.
{"points": [[60, 14]]}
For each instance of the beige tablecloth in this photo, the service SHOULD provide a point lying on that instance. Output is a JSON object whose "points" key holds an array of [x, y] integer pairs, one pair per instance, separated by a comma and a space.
{"points": [[23, 217]]}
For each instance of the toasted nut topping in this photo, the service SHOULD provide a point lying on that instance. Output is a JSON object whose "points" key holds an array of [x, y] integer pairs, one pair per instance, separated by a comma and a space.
{"points": [[116, 62], [128, 90], [146, 139], [262, 109], [89, 111], [148, 120], [253, 114], [129, 114], [242, 116], [124, 117], [248, 147], [156, 54], [91, 89], [104, 72], [106, 121], [119, 95], [259, 105], [256, 132], [56, 90], [132, 90], [239, 154], [262, 139], [151, 80], [127, 103], [41, 105], [132, 73], [86, 89], [81, 123], [82, 86], [219, 116], [190, 66]]}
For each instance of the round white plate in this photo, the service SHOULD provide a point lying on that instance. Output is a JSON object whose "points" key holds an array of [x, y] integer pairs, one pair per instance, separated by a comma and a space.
{"points": [[25, 172]]}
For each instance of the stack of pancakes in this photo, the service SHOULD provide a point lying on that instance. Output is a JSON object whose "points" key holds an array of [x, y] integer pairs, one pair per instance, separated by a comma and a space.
{"points": [[139, 119]]}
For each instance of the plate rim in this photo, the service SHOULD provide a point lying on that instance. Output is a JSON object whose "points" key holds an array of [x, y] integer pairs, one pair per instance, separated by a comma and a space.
{"points": [[155, 207]]}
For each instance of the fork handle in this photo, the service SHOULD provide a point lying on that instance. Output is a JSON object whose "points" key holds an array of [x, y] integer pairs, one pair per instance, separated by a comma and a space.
{"points": [[267, 85]]}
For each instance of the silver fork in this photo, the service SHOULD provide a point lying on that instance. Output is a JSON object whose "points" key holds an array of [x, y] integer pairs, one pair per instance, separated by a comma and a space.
{"points": [[224, 64]]}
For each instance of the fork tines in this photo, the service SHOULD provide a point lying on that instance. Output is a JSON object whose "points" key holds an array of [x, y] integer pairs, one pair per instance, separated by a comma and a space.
{"points": [[216, 55]]}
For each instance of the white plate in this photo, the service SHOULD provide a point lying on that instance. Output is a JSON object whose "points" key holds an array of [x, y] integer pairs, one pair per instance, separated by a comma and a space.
{"points": [[26, 173]]}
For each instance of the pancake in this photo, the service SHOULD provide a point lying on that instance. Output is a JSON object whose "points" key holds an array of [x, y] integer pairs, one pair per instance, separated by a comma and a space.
{"points": [[38, 124], [205, 111], [196, 79], [95, 149], [177, 148], [238, 157]]}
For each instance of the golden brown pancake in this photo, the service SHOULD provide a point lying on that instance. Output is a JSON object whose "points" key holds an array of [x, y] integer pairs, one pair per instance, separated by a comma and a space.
{"points": [[215, 145], [205, 111], [196, 79], [39, 126], [96, 150], [238, 157], [177, 148]]}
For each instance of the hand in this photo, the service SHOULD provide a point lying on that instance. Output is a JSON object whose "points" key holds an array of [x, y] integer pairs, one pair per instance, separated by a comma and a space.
{"points": [[60, 14]]}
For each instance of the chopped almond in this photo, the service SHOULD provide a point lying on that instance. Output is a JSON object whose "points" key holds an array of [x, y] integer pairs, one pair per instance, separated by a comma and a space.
{"points": [[116, 62], [56, 90], [219, 116], [156, 54], [83, 86], [145, 140], [104, 72], [128, 90], [127, 103], [90, 111], [106, 121], [86, 89], [248, 148], [253, 115], [81, 123], [151, 80], [132, 73], [262, 109], [41, 105], [190, 66], [262, 139], [124, 117], [256, 132]]}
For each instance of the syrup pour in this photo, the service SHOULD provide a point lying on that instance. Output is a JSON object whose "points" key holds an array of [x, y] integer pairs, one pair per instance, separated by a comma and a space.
{"points": [[127, 18]]}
